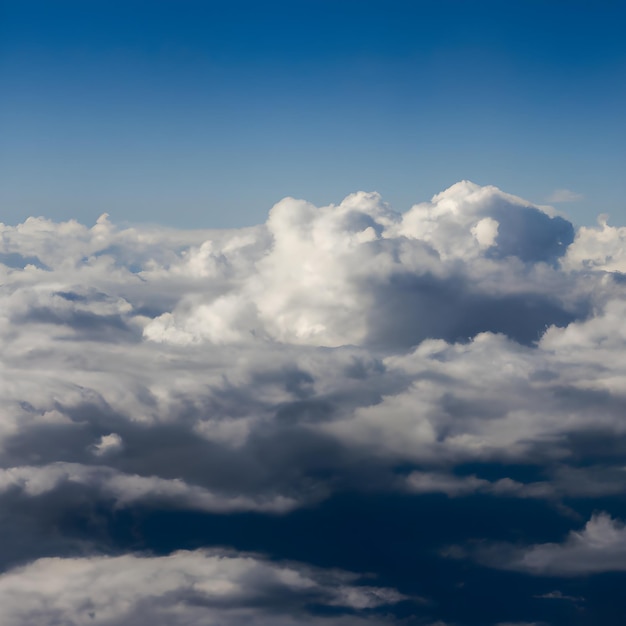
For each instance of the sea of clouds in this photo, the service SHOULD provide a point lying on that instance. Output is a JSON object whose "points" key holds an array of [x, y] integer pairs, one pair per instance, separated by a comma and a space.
{"points": [[331, 350]]}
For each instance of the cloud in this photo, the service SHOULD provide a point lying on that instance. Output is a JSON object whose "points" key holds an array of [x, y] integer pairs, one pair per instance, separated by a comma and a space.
{"points": [[202, 357], [330, 271], [455, 486], [473, 347], [558, 595], [599, 547], [494, 399], [125, 489], [600, 248], [184, 588], [108, 444], [564, 195]]}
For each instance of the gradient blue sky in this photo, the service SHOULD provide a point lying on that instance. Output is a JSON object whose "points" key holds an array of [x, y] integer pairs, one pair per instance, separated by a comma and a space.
{"points": [[204, 114]]}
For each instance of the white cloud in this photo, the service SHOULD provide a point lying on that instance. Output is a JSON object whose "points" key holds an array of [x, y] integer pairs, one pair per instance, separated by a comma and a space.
{"points": [[325, 269], [494, 399], [486, 232], [108, 444], [599, 547], [182, 589], [126, 489], [355, 273], [236, 370], [564, 195], [455, 486], [601, 248]]}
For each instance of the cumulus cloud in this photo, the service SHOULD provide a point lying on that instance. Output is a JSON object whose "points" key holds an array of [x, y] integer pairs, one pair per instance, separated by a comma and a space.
{"points": [[600, 248], [195, 356], [564, 195], [331, 274], [344, 348]]}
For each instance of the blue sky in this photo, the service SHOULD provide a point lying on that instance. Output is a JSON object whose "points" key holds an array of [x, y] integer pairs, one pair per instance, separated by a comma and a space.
{"points": [[207, 113]]}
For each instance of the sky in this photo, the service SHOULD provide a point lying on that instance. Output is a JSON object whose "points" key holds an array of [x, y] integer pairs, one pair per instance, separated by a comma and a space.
{"points": [[205, 114], [312, 314]]}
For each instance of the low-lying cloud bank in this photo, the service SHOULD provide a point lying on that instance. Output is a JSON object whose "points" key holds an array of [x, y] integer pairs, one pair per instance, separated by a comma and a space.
{"points": [[332, 349]]}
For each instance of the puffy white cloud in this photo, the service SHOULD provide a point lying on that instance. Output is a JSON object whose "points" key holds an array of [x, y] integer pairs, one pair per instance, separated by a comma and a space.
{"points": [[327, 272], [600, 248], [463, 220], [492, 399], [184, 588], [177, 322], [108, 444]]}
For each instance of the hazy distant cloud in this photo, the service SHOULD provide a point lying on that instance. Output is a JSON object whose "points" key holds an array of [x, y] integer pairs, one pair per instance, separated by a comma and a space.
{"points": [[564, 195]]}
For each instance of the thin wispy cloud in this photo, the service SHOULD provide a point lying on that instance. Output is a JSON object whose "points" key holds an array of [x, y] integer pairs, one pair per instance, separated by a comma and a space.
{"points": [[564, 195]]}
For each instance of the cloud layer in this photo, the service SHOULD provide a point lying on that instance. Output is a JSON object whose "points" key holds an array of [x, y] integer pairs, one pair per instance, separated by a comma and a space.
{"points": [[331, 350]]}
